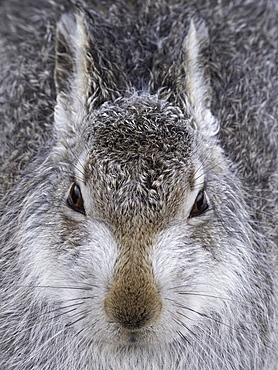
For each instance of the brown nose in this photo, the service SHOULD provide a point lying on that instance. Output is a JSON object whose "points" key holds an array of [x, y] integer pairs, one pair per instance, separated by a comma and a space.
{"points": [[133, 301]]}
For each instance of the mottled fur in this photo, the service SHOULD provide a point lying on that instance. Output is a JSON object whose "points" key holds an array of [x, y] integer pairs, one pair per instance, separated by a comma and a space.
{"points": [[143, 104]]}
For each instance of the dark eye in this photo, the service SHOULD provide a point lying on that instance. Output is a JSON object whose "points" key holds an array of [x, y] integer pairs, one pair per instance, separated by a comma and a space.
{"points": [[75, 200], [200, 205]]}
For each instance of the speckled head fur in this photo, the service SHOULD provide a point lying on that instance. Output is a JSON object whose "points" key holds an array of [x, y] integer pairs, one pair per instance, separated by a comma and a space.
{"points": [[143, 233]]}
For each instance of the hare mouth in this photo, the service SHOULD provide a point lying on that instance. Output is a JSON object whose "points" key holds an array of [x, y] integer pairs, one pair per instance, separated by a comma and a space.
{"points": [[133, 338], [136, 338]]}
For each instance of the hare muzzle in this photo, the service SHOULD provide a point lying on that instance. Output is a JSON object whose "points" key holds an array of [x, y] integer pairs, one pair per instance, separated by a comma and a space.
{"points": [[133, 301]]}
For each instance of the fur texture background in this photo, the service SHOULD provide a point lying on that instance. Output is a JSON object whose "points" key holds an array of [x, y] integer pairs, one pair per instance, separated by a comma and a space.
{"points": [[146, 106]]}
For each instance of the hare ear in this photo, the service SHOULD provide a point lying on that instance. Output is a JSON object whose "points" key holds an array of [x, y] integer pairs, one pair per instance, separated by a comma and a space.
{"points": [[83, 78], [197, 80], [74, 65], [187, 80]]}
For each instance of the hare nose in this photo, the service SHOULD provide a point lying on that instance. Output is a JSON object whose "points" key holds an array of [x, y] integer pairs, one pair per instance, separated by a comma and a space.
{"points": [[133, 302]]}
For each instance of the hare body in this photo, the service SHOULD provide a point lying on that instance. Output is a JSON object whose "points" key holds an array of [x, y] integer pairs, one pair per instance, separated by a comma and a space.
{"points": [[139, 185]]}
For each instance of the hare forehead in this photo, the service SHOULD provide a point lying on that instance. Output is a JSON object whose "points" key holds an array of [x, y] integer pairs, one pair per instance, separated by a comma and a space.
{"points": [[137, 192], [146, 156]]}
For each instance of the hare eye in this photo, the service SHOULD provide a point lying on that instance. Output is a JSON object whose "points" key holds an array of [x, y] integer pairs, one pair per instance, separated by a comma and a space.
{"points": [[200, 205], [75, 200]]}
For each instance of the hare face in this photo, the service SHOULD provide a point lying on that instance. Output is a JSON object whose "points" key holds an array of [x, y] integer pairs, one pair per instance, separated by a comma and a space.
{"points": [[137, 257]]}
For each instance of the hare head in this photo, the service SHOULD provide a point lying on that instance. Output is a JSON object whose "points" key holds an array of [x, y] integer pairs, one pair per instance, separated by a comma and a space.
{"points": [[135, 233]]}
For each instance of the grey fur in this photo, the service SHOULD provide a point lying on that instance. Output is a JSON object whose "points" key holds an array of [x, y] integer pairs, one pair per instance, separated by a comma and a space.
{"points": [[128, 114]]}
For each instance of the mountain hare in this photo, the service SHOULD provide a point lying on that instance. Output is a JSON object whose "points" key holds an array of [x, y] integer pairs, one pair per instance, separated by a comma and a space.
{"points": [[139, 185]]}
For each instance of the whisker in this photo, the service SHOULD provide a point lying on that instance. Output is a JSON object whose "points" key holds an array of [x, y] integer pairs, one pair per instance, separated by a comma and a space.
{"points": [[201, 343], [57, 287], [183, 337], [177, 304], [37, 323], [201, 294], [47, 342]]}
